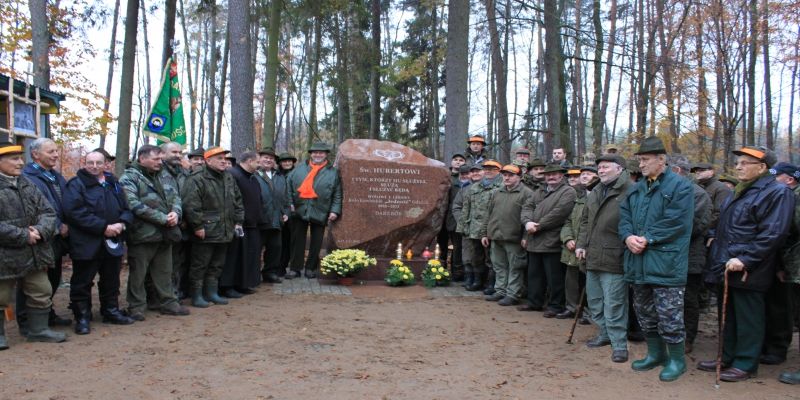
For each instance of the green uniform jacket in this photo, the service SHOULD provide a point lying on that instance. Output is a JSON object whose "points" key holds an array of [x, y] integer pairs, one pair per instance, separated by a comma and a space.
{"points": [[475, 208], [212, 201], [661, 213], [22, 206], [505, 207], [702, 216], [718, 193], [327, 185], [791, 254], [177, 173], [551, 212], [599, 231], [151, 196], [571, 230]]}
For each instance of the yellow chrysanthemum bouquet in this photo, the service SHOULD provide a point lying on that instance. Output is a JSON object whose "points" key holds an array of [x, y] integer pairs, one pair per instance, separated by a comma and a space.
{"points": [[398, 274], [346, 263], [435, 274]]}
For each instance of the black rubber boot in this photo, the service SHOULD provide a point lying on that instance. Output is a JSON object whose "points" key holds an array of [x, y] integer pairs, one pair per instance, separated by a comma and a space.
{"points": [[55, 320], [113, 315], [82, 314], [477, 282], [469, 278], [38, 331]]}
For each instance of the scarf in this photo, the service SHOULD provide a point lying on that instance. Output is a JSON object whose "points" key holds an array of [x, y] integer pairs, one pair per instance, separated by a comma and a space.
{"points": [[306, 189], [743, 186]]}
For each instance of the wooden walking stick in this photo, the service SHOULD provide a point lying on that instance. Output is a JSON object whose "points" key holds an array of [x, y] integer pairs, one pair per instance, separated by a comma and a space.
{"points": [[723, 314], [578, 313]]}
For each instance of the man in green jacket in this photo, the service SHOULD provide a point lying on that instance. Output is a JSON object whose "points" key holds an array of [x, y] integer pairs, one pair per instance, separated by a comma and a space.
{"points": [[156, 206], [543, 224], [599, 245], [316, 200], [569, 235], [504, 231], [28, 225], [473, 216], [213, 209], [656, 231], [791, 256], [173, 167]]}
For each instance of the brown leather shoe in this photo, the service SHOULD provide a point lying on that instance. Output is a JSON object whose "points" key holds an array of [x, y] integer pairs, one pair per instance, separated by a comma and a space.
{"points": [[735, 375], [528, 307], [710, 365]]}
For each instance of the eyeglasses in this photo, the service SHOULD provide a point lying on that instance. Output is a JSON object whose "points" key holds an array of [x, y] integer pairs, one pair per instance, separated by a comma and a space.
{"points": [[738, 163]]}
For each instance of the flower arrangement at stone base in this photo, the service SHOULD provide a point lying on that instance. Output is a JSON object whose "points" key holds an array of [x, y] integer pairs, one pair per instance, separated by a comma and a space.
{"points": [[346, 263], [435, 274], [398, 274]]}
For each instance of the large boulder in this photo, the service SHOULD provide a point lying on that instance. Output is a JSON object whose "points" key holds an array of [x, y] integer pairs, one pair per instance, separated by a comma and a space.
{"points": [[392, 194]]}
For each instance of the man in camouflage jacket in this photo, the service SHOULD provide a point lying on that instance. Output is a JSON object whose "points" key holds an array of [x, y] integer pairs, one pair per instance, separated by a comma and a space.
{"points": [[156, 205]]}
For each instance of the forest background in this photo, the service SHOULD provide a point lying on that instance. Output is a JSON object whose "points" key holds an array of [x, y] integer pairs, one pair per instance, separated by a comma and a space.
{"points": [[705, 75]]}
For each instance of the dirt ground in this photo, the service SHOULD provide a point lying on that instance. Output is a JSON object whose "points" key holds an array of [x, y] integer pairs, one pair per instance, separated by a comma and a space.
{"points": [[379, 343]]}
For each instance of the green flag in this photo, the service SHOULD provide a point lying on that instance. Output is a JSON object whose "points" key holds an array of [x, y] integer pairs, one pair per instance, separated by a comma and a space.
{"points": [[165, 121]]}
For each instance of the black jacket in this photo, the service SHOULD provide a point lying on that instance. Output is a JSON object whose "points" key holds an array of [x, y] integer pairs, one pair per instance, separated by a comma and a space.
{"points": [[251, 196], [752, 227], [50, 188], [274, 200], [88, 208]]}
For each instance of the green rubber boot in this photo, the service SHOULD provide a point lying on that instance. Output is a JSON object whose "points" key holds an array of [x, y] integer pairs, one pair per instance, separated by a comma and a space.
{"points": [[676, 363], [197, 298], [655, 354], [3, 342], [211, 293], [38, 330]]}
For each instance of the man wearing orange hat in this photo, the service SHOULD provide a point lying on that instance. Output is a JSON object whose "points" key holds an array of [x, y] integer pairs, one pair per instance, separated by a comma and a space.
{"points": [[214, 212], [29, 223], [476, 150], [504, 232]]}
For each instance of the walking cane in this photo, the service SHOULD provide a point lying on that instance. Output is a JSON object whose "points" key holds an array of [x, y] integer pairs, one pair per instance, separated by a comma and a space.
{"points": [[722, 324], [578, 313]]}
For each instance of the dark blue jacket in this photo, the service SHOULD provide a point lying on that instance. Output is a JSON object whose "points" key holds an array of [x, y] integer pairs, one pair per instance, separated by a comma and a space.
{"points": [[36, 174], [274, 200], [88, 208], [752, 227], [661, 212]]}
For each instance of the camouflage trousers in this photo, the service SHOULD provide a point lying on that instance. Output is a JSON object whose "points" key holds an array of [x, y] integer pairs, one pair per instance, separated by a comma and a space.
{"points": [[660, 309], [476, 257]]}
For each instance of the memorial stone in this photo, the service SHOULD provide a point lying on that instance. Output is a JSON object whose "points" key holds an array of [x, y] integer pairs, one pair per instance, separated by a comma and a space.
{"points": [[392, 194]]}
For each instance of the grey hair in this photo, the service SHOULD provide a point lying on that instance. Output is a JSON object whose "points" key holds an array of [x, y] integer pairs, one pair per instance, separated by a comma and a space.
{"points": [[247, 156], [38, 143], [166, 146]]}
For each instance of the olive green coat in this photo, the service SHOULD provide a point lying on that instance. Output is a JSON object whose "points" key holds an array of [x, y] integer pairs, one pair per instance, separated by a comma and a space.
{"points": [[571, 230], [212, 201], [505, 207], [151, 196], [22, 206], [551, 212], [599, 230], [791, 254], [327, 185]]}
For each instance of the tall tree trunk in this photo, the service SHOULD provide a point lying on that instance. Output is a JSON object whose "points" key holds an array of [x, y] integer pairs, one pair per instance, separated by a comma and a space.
{"points": [[148, 86], [433, 76], [211, 67], [223, 79], [342, 86], [666, 61], [702, 90], [40, 43], [612, 43], [271, 79], [503, 139], [751, 74], [190, 84], [375, 78], [792, 95], [599, 99], [242, 137], [456, 120], [312, 113], [112, 58], [169, 30], [558, 126], [767, 86], [126, 85], [577, 90]]}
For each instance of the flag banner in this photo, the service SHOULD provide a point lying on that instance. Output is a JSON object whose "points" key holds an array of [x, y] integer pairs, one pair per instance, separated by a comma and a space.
{"points": [[165, 121]]}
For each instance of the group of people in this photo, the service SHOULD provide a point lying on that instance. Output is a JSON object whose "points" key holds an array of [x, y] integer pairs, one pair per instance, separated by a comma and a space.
{"points": [[641, 243], [205, 226]]}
